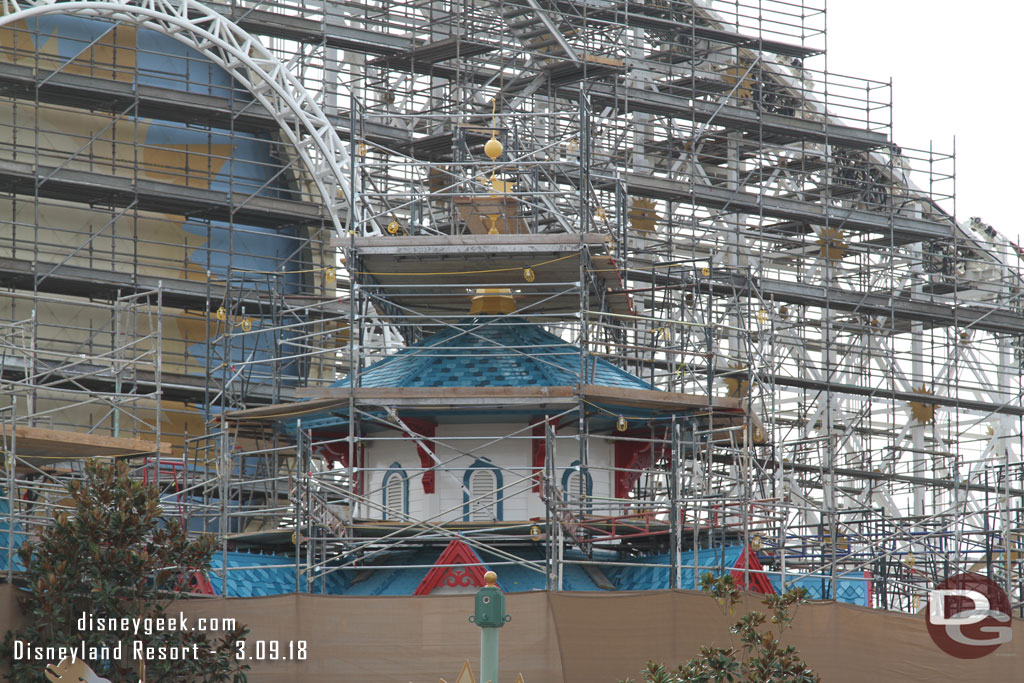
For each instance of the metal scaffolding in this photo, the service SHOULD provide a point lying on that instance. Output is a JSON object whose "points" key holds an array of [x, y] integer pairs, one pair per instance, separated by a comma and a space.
{"points": [[680, 190]]}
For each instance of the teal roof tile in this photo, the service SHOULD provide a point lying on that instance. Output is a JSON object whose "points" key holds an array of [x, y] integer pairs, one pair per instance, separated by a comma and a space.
{"points": [[508, 352], [484, 352], [253, 575]]}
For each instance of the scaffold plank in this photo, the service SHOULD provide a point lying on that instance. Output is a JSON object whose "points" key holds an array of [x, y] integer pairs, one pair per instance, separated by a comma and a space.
{"points": [[148, 195], [659, 400], [401, 265], [939, 311], [328, 30], [166, 104], [453, 396], [903, 230], [647, 15], [681, 103], [41, 447], [455, 47], [110, 283]]}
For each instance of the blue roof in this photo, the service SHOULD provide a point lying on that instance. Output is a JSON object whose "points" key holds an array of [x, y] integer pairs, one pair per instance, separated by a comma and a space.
{"points": [[512, 578], [481, 352], [254, 574], [16, 538], [654, 578], [508, 351], [849, 588]]}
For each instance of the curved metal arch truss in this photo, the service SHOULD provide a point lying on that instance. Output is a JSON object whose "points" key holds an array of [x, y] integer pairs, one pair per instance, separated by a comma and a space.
{"points": [[301, 119]]}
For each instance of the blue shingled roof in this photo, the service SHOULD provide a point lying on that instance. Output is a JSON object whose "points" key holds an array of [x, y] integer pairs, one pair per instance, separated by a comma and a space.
{"points": [[509, 352], [511, 578], [852, 589], [16, 538], [849, 588], [483, 352], [655, 578], [254, 574]]}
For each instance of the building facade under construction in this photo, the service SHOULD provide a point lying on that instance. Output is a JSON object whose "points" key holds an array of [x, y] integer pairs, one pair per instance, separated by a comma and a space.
{"points": [[601, 294]]}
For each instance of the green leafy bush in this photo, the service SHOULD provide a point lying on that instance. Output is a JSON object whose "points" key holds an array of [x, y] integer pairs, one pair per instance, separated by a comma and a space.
{"points": [[114, 556], [759, 657]]}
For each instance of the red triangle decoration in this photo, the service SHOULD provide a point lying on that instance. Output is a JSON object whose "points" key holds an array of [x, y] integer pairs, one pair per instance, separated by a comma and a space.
{"points": [[196, 582], [759, 582], [448, 572]]}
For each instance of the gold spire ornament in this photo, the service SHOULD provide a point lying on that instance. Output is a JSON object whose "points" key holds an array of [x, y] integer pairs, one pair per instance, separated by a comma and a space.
{"points": [[493, 230], [501, 187], [466, 676], [493, 148], [493, 300]]}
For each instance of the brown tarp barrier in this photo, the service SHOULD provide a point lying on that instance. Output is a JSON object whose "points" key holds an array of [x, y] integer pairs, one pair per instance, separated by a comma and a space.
{"points": [[573, 637]]}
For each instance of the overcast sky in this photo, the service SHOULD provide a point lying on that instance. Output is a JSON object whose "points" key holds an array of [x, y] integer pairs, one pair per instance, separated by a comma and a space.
{"points": [[956, 70]]}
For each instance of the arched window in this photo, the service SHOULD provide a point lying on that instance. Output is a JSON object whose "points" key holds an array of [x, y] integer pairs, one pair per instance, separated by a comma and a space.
{"points": [[481, 497], [396, 493], [576, 480]]}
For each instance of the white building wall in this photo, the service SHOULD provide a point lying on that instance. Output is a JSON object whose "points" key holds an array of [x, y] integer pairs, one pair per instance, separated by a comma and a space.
{"points": [[459, 446]]}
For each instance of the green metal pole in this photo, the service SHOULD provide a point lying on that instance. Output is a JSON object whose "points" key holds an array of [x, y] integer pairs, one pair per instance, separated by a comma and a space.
{"points": [[489, 615], [489, 655]]}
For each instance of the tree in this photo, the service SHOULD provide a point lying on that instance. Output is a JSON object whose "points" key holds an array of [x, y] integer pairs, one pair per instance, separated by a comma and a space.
{"points": [[113, 556], [761, 657]]}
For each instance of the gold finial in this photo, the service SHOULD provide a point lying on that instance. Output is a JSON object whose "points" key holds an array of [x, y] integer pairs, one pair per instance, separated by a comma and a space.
{"points": [[491, 579], [493, 149]]}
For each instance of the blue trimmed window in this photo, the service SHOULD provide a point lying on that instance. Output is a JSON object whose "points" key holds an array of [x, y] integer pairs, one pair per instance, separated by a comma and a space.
{"points": [[395, 492], [482, 484], [571, 480]]}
